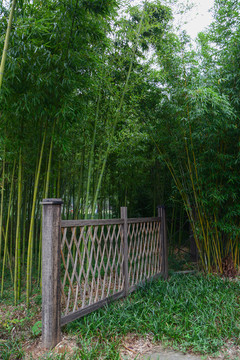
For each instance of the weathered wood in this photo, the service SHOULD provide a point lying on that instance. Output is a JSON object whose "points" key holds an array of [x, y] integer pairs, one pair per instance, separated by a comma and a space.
{"points": [[77, 223], [93, 263], [162, 214], [51, 283], [145, 253], [165, 245], [142, 220], [123, 254], [88, 309], [125, 249], [96, 222]]}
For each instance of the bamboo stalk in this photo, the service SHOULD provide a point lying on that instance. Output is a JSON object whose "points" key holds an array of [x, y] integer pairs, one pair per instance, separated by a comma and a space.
{"points": [[2, 197], [24, 224], [58, 180], [117, 115], [90, 166], [31, 229], [80, 188], [6, 43], [46, 190], [8, 258], [7, 228], [17, 273]]}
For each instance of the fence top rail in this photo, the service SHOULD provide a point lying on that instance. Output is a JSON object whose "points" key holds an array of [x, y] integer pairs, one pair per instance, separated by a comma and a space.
{"points": [[143, 220], [95, 222], [99, 222]]}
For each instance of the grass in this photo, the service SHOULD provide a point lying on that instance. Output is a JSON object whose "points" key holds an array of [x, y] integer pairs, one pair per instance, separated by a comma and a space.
{"points": [[190, 313]]}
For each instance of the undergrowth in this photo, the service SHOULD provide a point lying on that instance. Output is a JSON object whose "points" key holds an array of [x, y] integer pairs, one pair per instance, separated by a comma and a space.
{"points": [[194, 313], [190, 313]]}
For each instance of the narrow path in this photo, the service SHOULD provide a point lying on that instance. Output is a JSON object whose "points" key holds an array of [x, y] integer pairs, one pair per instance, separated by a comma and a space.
{"points": [[159, 353], [143, 348]]}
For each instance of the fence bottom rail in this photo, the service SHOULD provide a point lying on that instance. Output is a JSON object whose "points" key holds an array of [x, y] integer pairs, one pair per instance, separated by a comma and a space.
{"points": [[90, 308]]}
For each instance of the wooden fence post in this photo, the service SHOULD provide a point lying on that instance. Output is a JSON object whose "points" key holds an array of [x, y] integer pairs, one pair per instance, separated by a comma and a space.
{"points": [[125, 250], [163, 232], [51, 293]]}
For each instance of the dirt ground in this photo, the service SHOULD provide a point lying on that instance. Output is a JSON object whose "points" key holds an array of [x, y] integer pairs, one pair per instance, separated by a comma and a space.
{"points": [[133, 347], [145, 348]]}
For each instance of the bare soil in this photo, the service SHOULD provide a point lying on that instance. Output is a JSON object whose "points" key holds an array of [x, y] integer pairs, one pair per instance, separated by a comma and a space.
{"points": [[141, 348]]}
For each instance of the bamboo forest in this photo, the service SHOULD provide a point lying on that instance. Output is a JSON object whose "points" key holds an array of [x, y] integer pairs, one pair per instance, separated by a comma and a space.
{"points": [[106, 104]]}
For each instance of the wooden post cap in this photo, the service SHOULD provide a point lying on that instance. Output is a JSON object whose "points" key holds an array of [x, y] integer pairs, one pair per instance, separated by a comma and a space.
{"points": [[51, 202]]}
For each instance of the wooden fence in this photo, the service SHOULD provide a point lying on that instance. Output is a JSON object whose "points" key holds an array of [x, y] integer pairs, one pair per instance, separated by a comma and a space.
{"points": [[86, 264]]}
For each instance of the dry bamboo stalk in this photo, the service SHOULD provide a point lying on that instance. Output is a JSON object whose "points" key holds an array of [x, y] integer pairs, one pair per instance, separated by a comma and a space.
{"points": [[108, 266], [143, 251], [66, 275], [150, 256], [133, 244], [139, 239], [121, 259], [154, 250], [102, 265], [153, 254], [158, 250], [93, 270], [147, 249], [74, 273], [64, 234], [86, 286], [95, 257], [99, 268], [136, 255]]}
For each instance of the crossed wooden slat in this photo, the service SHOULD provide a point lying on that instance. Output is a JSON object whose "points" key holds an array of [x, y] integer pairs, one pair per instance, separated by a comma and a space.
{"points": [[93, 261], [98, 249]]}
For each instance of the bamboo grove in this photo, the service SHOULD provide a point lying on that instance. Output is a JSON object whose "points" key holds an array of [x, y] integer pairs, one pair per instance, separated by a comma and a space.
{"points": [[105, 109]]}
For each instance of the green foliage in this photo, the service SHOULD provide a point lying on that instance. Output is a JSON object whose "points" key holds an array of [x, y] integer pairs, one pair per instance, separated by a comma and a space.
{"points": [[195, 128], [15, 327], [190, 313], [37, 328], [11, 349], [133, 115]]}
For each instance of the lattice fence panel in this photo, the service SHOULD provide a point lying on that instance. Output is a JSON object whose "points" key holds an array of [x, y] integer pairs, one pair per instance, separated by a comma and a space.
{"points": [[144, 251], [92, 264]]}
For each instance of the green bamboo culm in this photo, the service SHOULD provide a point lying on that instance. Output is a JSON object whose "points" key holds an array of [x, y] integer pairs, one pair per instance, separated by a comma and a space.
{"points": [[6, 42], [6, 253], [31, 229], [17, 272], [91, 156], [118, 114], [2, 196], [46, 190]]}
